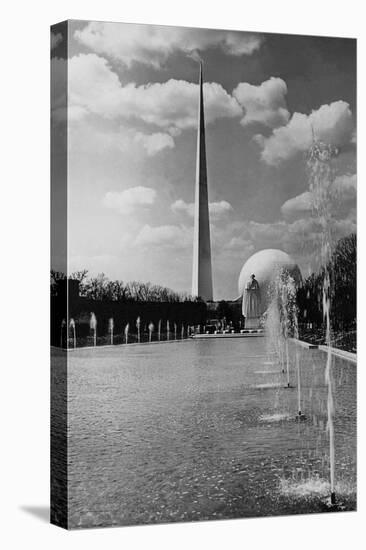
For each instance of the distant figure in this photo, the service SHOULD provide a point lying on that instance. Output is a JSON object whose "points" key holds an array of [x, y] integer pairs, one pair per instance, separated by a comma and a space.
{"points": [[252, 303]]}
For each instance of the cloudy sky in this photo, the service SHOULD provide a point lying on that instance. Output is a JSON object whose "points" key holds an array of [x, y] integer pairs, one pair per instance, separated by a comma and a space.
{"points": [[133, 93]]}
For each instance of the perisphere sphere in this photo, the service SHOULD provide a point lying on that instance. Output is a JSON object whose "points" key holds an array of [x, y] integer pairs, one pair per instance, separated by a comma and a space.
{"points": [[265, 265]]}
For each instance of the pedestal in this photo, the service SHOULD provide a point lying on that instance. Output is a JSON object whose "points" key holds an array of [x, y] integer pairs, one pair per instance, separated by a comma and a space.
{"points": [[252, 322]]}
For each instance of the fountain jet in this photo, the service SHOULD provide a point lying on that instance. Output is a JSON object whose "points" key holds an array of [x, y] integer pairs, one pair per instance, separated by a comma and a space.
{"points": [[93, 327], [321, 177], [110, 328], [72, 326], [63, 325], [138, 325]]}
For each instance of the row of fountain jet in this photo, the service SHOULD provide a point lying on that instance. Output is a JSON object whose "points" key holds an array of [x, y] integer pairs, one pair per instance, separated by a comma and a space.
{"points": [[184, 331]]}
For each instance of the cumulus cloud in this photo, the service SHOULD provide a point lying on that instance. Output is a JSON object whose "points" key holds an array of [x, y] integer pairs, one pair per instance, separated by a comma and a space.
{"points": [[265, 103], [154, 143], [300, 204], [239, 244], [220, 208], [164, 236], [88, 139], [125, 202], [300, 237], [56, 39], [216, 209], [152, 45], [180, 206], [76, 113], [340, 191], [345, 187], [267, 233], [96, 88], [345, 226], [331, 123]]}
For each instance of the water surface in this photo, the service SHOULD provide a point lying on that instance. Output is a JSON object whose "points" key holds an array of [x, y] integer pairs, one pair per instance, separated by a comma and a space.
{"points": [[203, 429]]}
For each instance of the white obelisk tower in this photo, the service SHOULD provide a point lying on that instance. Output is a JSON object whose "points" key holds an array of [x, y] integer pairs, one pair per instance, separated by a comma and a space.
{"points": [[202, 270]]}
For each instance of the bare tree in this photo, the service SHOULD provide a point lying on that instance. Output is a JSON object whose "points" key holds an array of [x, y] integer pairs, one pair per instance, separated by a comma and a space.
{"points": [[101, 288], [79, 275]]}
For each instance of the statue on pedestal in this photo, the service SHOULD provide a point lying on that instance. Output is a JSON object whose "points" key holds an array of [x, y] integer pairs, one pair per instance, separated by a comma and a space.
{"points": [[252, 304]]}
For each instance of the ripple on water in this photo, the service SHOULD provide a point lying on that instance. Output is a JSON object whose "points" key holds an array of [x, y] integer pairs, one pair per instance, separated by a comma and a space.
{"points": [[166, 436]]}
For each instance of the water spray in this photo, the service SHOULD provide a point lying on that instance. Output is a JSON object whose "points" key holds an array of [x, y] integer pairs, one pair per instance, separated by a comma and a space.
{"points": [[287, 364], [138, 324], [93, 327], [110, 328], [321, 177], [63, 325], [72, 326]]}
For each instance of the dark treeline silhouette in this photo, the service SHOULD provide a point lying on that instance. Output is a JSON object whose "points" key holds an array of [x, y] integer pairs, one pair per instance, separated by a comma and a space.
{"points": [[100, 288], [343, 284], [124, 302], [226, 313]]}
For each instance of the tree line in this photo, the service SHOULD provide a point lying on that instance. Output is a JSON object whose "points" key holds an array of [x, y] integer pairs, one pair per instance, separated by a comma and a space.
{"points": [[342, 269], [101, 288]]}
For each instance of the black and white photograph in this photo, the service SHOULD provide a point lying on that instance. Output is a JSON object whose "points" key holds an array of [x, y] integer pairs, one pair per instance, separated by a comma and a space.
{"points": [[203, 274]]}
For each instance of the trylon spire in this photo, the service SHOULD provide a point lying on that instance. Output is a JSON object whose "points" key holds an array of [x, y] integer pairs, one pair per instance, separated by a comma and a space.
{"points": [[202, 270]]}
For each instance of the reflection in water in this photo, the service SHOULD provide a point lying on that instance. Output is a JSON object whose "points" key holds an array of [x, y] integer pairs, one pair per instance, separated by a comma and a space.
{"points": [[181, 432], [314, 486], [277, 417]]}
